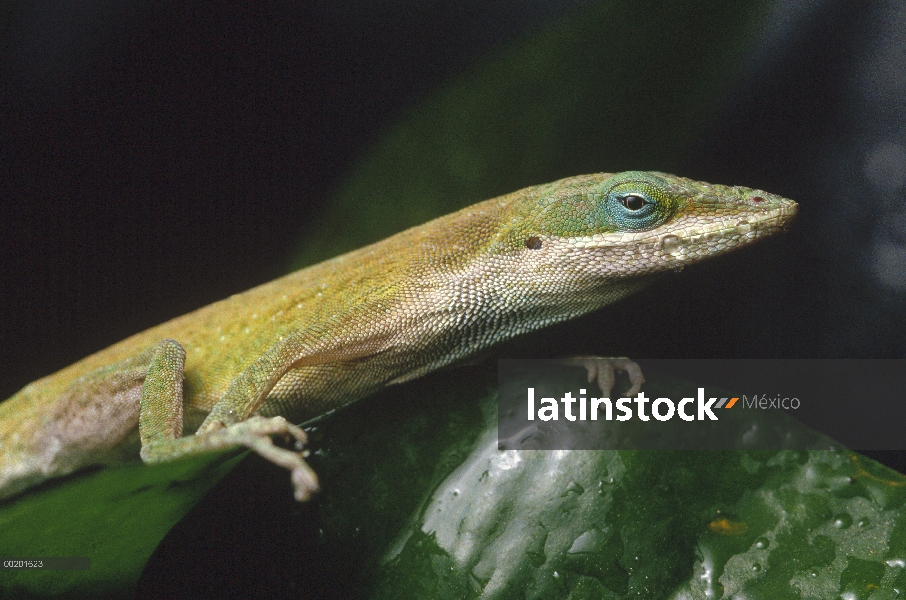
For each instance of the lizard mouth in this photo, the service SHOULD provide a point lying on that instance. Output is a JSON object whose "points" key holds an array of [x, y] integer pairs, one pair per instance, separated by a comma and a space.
{"points": [[694, 237], [741, 228]]}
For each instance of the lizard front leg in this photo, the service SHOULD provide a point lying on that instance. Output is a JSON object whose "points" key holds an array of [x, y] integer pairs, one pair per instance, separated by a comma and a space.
{"points": [[231, 422]]}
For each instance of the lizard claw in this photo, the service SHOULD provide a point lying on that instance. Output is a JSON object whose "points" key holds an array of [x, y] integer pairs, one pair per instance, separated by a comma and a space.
{"points": [[303, 477], [305, 481], [254, 433], [602, 370]]}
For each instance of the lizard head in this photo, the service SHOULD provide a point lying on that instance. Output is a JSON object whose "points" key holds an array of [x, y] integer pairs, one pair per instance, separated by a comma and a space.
{"points": [[640, 223], [579, 243]]}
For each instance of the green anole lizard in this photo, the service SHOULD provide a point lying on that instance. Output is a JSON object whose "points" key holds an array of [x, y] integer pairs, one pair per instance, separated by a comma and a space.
{"points": [[241, 370]]}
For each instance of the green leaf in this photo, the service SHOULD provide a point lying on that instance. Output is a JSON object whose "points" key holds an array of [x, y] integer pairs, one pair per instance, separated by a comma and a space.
{"points": [[652, 524], [114, 516]]}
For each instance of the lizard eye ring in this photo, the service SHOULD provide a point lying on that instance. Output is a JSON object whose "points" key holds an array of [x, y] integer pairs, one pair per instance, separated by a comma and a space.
{"points": [[638, 205]]}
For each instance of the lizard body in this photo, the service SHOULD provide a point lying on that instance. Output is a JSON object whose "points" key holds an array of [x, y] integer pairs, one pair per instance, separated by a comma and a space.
{"points": [[332, 333]]}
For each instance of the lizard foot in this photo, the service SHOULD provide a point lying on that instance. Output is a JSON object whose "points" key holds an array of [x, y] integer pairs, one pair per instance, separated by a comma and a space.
{"points": [[254, 433], [602, 370]]}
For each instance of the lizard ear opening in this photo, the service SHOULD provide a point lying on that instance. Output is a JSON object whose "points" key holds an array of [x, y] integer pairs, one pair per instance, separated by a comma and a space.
{"points": [[533, 243]]}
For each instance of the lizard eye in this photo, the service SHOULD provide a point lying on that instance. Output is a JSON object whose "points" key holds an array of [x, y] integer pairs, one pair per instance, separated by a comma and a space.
{"points": [[638, 205], [633, 202]]}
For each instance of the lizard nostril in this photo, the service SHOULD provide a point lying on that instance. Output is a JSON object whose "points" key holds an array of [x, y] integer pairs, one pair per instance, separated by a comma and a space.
{"points": [[757, 199], [533, 243]]}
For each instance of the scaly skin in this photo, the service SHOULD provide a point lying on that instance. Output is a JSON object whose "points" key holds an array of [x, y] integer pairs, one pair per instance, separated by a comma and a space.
{"points": [[395, 310]]}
